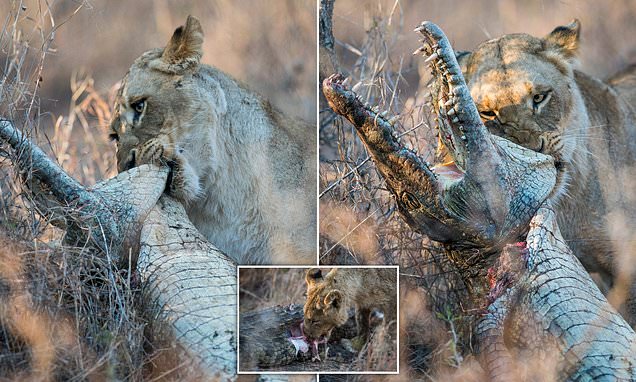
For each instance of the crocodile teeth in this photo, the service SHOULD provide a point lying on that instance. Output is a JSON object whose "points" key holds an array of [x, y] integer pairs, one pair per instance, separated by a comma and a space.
{"points": [[384, 113], [455, 119], [431, 57], [452, 70], [419, 29], [451, 112], [454, 79], [419, 50], [450, 102]]}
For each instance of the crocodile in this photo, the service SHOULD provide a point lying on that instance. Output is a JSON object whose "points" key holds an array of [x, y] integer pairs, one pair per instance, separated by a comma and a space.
{"points": [[486, 206], [187, 286]]}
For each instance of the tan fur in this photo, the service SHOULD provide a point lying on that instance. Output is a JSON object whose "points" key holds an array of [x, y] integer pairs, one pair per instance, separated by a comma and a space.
{"points": [[585, 123], [330, 298], [246, 172]]}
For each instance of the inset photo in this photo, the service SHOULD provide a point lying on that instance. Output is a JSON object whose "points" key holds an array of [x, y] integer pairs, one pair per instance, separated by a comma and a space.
{"points": [[313, 320]]}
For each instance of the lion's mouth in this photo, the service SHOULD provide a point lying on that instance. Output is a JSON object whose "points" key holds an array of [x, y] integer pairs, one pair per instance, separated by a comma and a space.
{"points": [[132, 160], [303, 343], [561, 184], [131, 163], [541, 146], [173, 167]]}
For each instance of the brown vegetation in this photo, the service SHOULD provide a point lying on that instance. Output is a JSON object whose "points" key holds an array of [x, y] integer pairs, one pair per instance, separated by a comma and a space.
{"points": [[263, 288], [65, 312], [357, 215]]}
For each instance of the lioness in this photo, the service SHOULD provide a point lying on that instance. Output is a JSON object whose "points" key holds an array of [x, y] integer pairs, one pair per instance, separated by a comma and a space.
{"points": [[245, 172], [329, 299], [528, 90]]}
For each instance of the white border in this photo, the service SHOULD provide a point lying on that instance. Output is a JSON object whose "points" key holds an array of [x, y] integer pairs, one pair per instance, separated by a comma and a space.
{"points": [[316, 373]]}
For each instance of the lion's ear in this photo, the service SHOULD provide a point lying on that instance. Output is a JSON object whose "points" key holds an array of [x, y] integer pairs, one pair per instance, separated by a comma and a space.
{"points": [[184, 50], [333, 298], [565, 39], [313, 276]]}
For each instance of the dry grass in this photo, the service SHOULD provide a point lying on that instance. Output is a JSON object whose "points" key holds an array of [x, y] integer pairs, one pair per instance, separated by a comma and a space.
{"points": [[265, 287], [65, 313], [261, 288], [358, 220], [243, 38]]}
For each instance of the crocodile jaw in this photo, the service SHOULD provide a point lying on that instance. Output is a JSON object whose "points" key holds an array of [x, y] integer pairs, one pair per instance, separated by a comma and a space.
{"points": [[485, 195]]}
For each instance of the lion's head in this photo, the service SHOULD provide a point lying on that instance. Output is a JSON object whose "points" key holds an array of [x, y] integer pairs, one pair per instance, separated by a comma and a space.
{"points": [[162, 113], [326, 307], [525, 91]]}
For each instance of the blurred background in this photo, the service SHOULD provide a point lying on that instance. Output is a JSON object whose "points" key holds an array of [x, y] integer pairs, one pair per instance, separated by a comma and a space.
{"points": [[607, 32], [261, 288], [66, 314], [264, 290], [374, 41], [93, 43], [359, 223]]}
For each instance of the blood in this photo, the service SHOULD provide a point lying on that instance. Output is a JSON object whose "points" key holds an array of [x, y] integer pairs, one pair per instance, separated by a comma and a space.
{"points": [[300, 341], [492, 278]]}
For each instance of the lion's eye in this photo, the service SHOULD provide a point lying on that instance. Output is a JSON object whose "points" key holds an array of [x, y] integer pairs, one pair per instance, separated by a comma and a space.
{"points": [[539, 98], [488, 114], [139, 106]]}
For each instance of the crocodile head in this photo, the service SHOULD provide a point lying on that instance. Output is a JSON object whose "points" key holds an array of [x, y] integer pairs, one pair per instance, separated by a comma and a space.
{"points": [[484, 191]]}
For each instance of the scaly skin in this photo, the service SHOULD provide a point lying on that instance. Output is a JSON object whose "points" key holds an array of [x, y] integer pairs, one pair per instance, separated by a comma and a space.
{"points": [[100, 213], [486, 199], [188, 286], [539, 303], [553, 313]]}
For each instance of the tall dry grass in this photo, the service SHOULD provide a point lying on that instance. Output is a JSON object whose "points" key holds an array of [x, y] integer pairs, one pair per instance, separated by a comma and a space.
{"points": [[266, 287], [358, 219], [271, 45], [65, 313], [607, 28], [261, 288]]}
